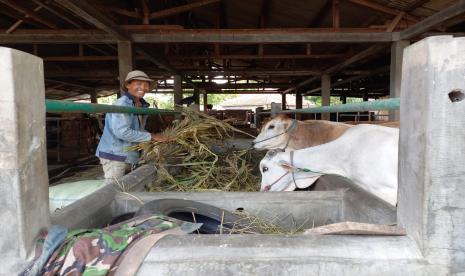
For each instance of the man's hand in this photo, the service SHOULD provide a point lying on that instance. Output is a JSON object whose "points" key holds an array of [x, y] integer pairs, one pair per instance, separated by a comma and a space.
{"points": [[160, 137]]}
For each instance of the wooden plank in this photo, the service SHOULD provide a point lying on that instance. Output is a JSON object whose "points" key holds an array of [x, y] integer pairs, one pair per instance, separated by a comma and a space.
{"points": [[433, 20], [181, 9], [356, 228]]}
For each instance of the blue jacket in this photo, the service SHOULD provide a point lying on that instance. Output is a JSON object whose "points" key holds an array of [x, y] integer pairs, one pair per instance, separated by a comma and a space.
{"points": [[121, 131]]}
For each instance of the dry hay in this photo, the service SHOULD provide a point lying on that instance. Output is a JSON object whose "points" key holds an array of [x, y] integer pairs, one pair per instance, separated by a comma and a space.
{"points": [[251, 224], [188, 163]]}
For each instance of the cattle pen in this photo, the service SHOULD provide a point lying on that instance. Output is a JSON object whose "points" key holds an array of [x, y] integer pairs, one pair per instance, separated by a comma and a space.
{"points": [[425, 92]]}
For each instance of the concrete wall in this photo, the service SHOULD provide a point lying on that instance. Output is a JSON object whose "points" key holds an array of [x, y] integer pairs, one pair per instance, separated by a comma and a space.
{"points": [[95, 210], [23, 164], [432, 150]]}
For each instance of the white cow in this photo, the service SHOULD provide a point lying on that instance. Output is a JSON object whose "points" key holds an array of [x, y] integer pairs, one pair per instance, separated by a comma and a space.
{"points": [[283, 132], [366, 154]]}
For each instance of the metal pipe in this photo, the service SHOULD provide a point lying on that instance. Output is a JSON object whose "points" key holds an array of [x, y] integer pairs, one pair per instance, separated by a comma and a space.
{"points": [[388, 104], [56, 106]]}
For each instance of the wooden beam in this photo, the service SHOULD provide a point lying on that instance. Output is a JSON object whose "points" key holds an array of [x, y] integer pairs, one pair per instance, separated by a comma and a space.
{"points": [[198, 57], [209, 86], [28, 13], [237, 36], [333, 69], [20, 21], [433, 20], [124, 12], [87, 12], [95, 17], [254, 36], [335, 13], [394, 22], [318, 19], [180, 9], [110, 74], [381, 70], [383, 9], [415, 5], [145, 12], [46, 5]]}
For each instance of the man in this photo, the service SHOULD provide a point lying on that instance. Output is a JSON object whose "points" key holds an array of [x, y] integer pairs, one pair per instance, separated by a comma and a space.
{"points": [[123, 130]]}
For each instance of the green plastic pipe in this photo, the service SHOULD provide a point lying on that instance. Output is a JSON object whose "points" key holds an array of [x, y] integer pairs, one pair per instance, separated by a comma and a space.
{"points": [[388, 104], [56, 106]]}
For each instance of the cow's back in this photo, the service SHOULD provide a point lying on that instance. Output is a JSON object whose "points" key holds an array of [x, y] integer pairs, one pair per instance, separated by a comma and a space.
{"points": [[316, 132]]}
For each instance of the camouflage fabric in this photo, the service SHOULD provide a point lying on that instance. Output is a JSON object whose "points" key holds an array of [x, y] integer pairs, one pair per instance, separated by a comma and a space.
{"points": [[95, 252]]}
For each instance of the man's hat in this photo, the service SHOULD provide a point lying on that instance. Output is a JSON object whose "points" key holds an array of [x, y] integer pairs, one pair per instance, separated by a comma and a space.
{"points": [[136, 75]]}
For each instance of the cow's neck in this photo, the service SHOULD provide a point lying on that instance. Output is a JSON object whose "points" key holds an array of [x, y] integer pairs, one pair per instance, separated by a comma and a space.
{"points": [[325, 159]]}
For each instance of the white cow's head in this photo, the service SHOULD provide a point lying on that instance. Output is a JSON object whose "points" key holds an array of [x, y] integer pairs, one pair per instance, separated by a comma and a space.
{"points": [[274, 133], [277, 173]]}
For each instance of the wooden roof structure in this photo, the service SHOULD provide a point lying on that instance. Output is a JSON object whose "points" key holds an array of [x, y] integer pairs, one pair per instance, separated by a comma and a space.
{"points": [[253, 46]]}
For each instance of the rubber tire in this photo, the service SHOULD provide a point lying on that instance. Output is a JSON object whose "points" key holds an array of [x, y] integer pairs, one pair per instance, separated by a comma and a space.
{"points": [[210, 216]]}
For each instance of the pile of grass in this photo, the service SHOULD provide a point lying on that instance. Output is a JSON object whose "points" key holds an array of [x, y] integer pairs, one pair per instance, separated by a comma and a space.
{"points": [[188, 163], [255, 224]]}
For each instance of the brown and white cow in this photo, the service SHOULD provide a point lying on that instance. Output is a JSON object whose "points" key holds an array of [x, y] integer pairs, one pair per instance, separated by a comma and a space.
{"points": [[283, 132]]}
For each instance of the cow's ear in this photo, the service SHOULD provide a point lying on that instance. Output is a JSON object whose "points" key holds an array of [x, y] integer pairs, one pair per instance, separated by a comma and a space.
{"points": [[285, 165]]}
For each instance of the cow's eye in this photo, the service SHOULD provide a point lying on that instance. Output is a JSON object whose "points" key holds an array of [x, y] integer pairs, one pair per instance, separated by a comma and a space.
{"points": [[265, 169], [271, 127]]}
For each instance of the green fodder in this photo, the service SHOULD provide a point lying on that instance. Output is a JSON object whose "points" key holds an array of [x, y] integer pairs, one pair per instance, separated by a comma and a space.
{"points": [[188, 163]]}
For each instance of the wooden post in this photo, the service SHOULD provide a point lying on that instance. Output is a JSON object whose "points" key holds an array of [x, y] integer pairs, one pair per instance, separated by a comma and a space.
{"points": [[196, 96], [298, 102], [125, 60], [177, 89], [205, 101], [283, 101], [93, 97], [325, 94]]}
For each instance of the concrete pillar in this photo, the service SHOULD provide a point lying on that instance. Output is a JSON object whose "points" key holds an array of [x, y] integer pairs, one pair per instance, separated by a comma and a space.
{"points": [[125, 60], [283, 101], [275, 108], [325, 94], [431, 203], [23, 162], [177, 89], [258, 117], [397, 50]]}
